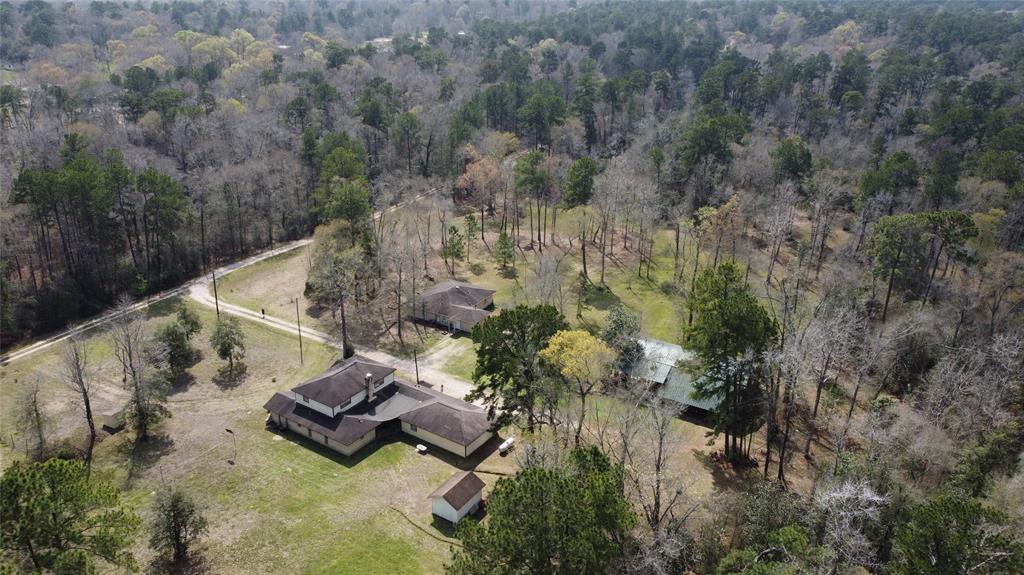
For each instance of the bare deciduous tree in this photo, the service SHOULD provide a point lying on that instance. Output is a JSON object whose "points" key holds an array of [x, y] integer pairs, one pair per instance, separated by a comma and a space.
{"points": [[848, 507], [76, 378], [132, 348], [33, 421]]}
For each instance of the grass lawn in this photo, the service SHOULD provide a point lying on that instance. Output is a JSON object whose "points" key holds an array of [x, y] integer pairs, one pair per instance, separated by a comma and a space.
{"points": [[283, 506], [461, 360], [273, 285], [660, 312]]}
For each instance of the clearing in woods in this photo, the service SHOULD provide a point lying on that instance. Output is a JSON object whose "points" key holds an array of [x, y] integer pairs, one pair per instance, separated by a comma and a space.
{"points": [[283, 506], [287, 506]]}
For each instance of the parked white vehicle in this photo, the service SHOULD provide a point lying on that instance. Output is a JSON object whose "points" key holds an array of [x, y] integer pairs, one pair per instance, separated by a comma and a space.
{"points": [[507, 445]]}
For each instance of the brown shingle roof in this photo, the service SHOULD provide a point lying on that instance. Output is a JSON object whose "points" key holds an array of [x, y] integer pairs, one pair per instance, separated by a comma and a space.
{"points": [[337, 385], [450, 298], [344, 429], [430, 410], [459, 489]]}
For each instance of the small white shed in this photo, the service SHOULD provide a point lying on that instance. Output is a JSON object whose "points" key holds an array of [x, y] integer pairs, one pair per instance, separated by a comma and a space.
{"points": [[457, 497]]}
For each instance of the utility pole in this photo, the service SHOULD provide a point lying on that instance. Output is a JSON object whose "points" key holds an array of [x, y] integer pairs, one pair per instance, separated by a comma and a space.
{"points": [[234, 444], [416, 362], [298, 322], [216, 302]]}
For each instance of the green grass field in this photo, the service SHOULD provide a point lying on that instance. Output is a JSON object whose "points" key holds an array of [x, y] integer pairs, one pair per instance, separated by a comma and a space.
{"points": [[462, 361], [283, 505], [660, 312], [273, 285]]}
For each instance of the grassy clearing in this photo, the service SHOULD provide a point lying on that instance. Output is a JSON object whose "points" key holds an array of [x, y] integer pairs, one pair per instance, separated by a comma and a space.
{"points": [[660, 311], [283, 506], [462, 359], [273, 285]]}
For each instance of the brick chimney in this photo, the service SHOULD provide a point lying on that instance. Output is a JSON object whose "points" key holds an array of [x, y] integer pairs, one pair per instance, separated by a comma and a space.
{"points": [[369, 387]]}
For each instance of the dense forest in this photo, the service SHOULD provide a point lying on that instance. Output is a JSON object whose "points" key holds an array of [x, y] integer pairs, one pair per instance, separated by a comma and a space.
{"points": [[842, 184], [143, 142]]}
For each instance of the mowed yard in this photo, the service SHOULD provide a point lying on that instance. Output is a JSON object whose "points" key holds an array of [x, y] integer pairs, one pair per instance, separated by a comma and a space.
{"points": [[282, 505], [266, 285], [273, 285]]}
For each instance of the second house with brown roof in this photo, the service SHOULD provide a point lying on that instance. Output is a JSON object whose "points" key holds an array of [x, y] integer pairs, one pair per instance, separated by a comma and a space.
{"points": [[358, 400], [454, 305]]}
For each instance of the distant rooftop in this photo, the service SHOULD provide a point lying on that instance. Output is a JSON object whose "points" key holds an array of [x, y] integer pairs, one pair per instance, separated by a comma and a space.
{"points": [[661, 365]]}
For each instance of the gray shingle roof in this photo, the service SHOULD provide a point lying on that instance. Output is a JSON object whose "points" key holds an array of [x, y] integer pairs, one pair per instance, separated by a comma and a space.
{"points": [[337, 385], [343, 428], [459, 489], [453, 299]]}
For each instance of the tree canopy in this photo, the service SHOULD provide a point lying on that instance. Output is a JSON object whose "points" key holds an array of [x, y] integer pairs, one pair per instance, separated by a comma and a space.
{"points": [[55, 517], [508, 365], [566, 521]]}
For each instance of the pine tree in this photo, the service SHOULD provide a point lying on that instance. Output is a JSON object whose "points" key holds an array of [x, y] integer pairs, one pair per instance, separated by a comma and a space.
{"points": [[504, 252]]}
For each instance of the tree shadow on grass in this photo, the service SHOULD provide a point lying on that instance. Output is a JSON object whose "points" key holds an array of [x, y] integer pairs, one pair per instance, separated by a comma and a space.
{"points": [[141, 455], [695, 417], [724, 475], [599, 297], [230, 378], [163, 308], [315, 311], [196, 564], [179, 383]]}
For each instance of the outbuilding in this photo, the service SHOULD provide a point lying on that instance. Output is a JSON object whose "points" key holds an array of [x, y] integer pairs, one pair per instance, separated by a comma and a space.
{"points": [[458, 497], [113, 421], [454, 305]]}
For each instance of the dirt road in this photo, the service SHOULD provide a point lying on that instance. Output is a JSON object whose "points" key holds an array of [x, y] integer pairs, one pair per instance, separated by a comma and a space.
{"points": [[428, 366], [182, 290], [142, 304]]}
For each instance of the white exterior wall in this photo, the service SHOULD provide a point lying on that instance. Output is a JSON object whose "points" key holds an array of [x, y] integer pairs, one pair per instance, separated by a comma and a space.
{"points": [[314, 405], [443, 509], [472, 447], [447, 444], [333, 444]]}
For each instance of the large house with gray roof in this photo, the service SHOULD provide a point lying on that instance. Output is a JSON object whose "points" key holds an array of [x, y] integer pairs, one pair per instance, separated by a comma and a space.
{"points": [[358, 400], [454, 305]]}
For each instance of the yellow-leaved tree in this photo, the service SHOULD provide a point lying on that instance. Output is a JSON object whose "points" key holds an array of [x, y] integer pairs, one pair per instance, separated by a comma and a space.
{"points": [[582, 359]]}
